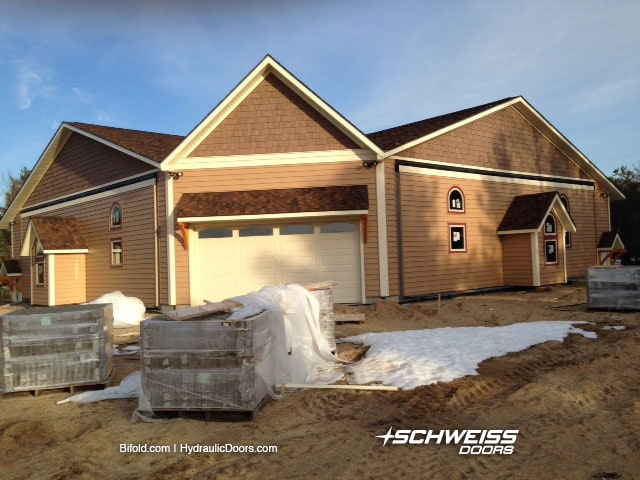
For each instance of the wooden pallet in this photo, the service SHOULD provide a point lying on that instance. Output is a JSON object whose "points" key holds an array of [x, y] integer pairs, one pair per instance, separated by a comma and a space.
{"points": [[211, 414]]}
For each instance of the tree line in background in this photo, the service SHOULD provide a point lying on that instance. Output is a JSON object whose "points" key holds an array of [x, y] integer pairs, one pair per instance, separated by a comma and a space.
{"points": [[625, 214], [11, 186]]}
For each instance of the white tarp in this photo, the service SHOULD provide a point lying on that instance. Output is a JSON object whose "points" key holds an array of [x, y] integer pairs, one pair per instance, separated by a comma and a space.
{"points": [[305, 355], [127, 311]]}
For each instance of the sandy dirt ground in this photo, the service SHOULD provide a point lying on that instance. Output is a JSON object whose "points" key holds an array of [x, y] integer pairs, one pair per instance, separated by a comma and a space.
{"points": [[576, 405]]}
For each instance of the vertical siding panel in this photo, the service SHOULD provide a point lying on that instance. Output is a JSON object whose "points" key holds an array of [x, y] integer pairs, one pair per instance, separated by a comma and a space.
{"points": [[392, 226], [162, 238], [71, 279], [516, 255]]}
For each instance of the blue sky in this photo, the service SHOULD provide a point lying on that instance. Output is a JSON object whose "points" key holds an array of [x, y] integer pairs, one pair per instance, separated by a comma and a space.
{"points": [[163, 65]]}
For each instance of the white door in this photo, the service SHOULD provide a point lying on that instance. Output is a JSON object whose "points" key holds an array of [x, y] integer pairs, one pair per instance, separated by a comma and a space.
{"points": [[232, 261]]}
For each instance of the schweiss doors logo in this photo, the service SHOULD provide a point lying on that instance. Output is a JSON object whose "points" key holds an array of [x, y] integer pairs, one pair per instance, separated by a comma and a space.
{"points": [[471, 442]]}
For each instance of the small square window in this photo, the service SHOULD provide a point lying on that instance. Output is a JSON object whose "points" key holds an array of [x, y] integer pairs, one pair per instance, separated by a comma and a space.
{"points": [[457, 238], [116, 253]]}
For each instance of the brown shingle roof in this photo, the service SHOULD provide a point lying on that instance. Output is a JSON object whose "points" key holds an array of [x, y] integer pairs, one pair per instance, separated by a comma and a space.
{"points": [[59, 233], [527, 212], [11, 265], [154, 146], [263, 202], [607, 240], [394, 137]]}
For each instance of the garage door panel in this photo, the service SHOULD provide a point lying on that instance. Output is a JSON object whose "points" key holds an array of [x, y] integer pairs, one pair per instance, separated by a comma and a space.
{"points": [[256, 256]]}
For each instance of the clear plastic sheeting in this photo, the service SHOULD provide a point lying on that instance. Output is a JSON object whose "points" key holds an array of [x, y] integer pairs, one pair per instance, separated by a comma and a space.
{"points": [[56, 347], [614, 288], [309, 354], [208, 364], [127, 311], [231, 363], [129, 388]]}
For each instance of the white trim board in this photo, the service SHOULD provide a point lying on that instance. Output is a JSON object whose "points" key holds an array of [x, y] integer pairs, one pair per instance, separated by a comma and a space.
{"points": [[273, 159]]}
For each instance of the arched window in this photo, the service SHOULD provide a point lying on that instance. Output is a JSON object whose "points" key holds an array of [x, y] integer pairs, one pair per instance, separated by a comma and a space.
{"points": [[456, 200], [550, 225], [115, 218]]}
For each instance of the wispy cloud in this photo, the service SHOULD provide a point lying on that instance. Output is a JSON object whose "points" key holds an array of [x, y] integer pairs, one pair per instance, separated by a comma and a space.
{"points": [[32, 82]]}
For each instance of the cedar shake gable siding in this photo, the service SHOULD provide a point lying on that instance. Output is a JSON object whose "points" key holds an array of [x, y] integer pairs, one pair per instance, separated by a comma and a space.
{"points": [[84, 164], [395, 137], [527, 212], [263, 202], [59, 233], [273, 119], [154, 146]]}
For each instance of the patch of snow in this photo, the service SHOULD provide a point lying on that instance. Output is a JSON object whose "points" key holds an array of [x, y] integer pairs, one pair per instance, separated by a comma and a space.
{"points": [[614, 327], [420, 357]]}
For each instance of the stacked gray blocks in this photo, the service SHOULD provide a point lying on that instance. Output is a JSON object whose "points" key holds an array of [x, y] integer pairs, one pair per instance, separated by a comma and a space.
{"points": [[327, 321], [206, 364], [56, 347], [614, 288]]}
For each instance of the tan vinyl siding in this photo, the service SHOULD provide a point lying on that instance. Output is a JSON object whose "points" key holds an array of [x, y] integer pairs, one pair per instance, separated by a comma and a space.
{"points": [[274, 177], [70, 278], [273, 119], [503, 140], [137, 275], [516, 256], [582, 252], [83, 164], [429, 267], [40, 293]]}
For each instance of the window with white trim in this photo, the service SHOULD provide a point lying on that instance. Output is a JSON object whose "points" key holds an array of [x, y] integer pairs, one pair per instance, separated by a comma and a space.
{"points": [[117, 259], [458, 238], [115, 217], [550, 240], [456, 200]]}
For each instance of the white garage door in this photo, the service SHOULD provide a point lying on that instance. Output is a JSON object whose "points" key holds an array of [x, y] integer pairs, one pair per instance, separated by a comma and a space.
{"points": [[235, 261]]}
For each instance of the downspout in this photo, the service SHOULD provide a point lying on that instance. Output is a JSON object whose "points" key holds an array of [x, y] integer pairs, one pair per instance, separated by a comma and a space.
{"points": [[399, 234]]}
